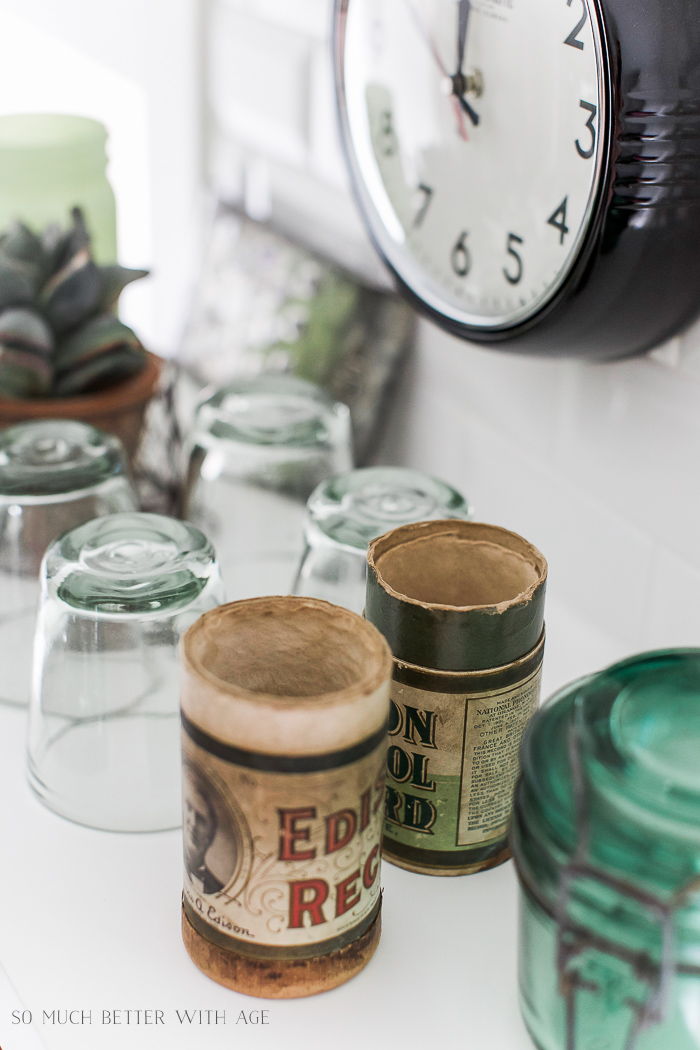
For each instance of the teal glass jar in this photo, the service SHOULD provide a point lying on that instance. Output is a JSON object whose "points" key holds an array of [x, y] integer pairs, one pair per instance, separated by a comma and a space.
{"points": [[51, 162], [606, 840]]}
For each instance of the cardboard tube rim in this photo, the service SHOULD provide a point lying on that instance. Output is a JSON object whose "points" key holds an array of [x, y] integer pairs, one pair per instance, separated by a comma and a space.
{"points": [[276, 725], [364, 686], [481, 533]]}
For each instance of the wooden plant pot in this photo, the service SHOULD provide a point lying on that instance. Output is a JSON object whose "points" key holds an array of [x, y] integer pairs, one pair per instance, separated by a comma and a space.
{"points": [[118, 409]]}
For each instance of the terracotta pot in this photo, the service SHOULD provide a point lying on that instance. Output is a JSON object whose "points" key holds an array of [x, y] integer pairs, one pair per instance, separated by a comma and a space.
{"points": [[118, 409]]}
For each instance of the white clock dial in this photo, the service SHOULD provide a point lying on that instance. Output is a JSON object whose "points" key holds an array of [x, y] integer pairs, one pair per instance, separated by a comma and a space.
{"points": [[478, 183]]}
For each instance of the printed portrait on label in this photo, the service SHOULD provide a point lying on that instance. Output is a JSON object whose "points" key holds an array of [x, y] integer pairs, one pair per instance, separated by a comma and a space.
{"points": [[214, 835]]}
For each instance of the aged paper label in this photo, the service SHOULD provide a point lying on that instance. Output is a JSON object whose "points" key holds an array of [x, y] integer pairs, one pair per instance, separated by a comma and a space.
{"points": [[495, 724], [452, 763], [282, 858]]}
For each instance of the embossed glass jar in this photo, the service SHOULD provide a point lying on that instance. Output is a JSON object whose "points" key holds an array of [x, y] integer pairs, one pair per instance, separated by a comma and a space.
{"points": [[257, 450], [117, 594], [346, 513], [54, 475], [606, 840]]}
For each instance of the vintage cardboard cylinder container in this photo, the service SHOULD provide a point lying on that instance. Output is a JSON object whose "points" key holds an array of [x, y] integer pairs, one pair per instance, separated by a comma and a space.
{"points": [[462, 607], [285, 705]]}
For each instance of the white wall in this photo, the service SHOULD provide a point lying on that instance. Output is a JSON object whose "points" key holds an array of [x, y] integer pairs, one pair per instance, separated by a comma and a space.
{"points": [[596, 464]]}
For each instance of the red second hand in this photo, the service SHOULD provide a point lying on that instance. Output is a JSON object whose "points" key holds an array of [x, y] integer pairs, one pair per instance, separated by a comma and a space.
{"points": [[461, 126]]}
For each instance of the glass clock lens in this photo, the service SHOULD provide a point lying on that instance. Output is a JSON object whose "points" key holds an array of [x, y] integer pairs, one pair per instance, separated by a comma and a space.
{"points": [[475, 132]]}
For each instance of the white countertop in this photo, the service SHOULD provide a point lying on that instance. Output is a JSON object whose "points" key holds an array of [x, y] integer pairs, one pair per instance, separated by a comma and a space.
{"points": [[90, 922]]}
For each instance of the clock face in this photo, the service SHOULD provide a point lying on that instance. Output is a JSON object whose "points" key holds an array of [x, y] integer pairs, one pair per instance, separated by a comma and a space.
{"points": [[475, 134]]}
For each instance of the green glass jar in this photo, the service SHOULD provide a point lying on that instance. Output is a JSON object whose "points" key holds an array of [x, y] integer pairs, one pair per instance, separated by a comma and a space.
{"points": [[606, 840], [51, 162]]}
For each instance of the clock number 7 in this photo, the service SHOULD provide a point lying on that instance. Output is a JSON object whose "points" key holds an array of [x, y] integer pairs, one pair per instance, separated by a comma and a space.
{"points": [[571, 39], [558, 220], [427, 197], [593, 111], [461, 259]]}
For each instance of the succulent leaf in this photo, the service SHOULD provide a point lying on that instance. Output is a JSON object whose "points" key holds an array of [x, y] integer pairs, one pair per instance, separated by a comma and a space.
{"points": [[26, 330], [58, 331], [79, 234], [114, 280], [23, 374], [75, 239], [19, 242], [70, 296], [100, 371], [17, 287], [99, 336]]}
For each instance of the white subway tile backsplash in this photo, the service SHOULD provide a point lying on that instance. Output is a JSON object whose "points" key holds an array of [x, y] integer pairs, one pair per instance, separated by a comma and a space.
{"points": [[302, 16], [673, 609], [633, 443], [226, 168], [325, 218], [575, 645], [325, 153], [668, 354], [599, 560], [258, 82], [516, 394], [689, 363]]}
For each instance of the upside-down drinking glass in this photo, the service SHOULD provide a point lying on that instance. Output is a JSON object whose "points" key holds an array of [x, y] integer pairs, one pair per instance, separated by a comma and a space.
{"points": [[117, 593], [54, 474], [349, 511], [258, 449]]}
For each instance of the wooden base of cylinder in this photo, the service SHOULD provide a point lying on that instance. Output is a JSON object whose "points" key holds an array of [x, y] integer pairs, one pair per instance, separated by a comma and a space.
{"points": [[280, 978], [465, 869]]}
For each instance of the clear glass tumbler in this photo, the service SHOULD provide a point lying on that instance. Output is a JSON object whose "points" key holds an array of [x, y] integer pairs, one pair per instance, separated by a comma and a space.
{"points": [[54, 475], [352, 509], [117, 593], [257, 451]]}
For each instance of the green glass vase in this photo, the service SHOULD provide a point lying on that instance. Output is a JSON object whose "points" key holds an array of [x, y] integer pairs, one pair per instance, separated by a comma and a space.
{"points": [[606, 840], [51, 162]]}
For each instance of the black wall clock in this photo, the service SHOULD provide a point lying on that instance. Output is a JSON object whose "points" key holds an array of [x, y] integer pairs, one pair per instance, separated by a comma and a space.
{"points": [[530, 169]]}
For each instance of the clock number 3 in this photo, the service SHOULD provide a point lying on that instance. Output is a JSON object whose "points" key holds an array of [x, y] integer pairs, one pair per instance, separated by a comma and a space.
{"points": [[572, 39], [461, 259], [593, 113], [514, 278]]}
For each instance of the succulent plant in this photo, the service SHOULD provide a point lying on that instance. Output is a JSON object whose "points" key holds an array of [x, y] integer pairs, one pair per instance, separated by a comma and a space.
{"points": [[59, 333]]}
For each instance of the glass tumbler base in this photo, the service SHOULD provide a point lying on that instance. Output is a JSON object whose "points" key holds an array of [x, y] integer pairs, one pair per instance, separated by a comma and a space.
{"points": [[127, 796]]}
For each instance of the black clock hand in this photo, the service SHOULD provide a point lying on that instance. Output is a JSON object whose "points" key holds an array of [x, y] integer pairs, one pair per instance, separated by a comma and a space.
{"points": [[459, 81], [447, 79], [464, 7], [473, 116]]}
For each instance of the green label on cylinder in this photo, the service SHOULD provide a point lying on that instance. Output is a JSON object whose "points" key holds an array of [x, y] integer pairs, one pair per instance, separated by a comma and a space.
{"points": [[452, 764]]}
